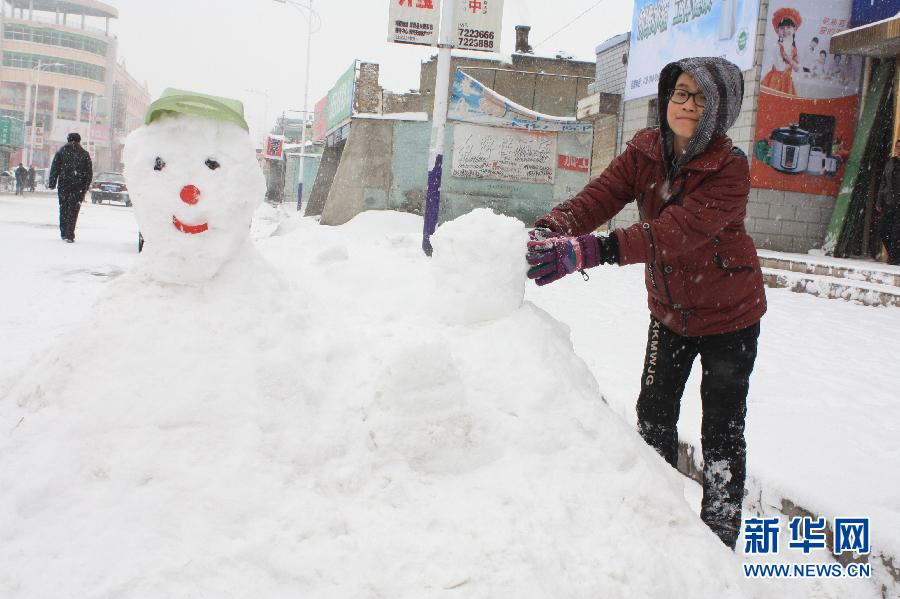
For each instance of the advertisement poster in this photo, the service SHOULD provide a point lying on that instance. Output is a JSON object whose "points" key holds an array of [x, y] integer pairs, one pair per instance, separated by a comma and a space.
{"points": [[12, 132], [472, 102], [274, 147], [478, 24], [12, 96], [67, 107], [667, 30], [319, 118], [414, 21], [45, 99], [504, 154], [807, 101], [86, 101], [340, 99]]}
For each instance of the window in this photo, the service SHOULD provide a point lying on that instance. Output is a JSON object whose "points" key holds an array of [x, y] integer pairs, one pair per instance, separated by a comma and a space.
{"points": [[21, 60], [653, 113], [52, 37]]}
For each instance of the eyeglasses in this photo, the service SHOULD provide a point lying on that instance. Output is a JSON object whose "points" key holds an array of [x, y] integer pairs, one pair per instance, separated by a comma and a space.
{"points": [[680, 96]]}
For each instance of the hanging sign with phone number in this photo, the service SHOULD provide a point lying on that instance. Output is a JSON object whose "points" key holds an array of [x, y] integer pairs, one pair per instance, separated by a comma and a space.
{"points": [[478, 24]]}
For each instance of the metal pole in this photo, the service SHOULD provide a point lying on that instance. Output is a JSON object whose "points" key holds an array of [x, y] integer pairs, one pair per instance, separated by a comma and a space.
{"points": [[305, 108], [438, 121], [37, 86]]}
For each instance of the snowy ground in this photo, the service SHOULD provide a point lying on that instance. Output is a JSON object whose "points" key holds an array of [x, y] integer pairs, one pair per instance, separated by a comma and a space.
{"points": [[822, 424]]}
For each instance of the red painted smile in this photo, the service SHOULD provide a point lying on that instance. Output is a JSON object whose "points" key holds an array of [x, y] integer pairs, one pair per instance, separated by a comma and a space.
{"points": [[189, 229]]}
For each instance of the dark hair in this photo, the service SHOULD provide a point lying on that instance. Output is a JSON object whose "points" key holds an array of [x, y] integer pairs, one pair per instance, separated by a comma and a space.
{"points": [[823, 52], [73, 137], [787, 21], [815, 39]]}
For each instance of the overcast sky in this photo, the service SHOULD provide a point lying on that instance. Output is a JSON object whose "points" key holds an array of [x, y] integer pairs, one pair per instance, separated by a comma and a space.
{"points": [[227, 47]]}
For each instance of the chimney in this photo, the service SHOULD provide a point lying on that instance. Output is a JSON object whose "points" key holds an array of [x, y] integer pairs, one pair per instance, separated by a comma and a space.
{"points": [[522, 46]]}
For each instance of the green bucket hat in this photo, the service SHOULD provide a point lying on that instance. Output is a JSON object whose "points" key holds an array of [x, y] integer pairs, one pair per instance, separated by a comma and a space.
{"points": [[179, 101]]}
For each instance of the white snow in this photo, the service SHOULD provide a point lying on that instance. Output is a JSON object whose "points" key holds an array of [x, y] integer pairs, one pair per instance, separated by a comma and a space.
{"points": [[344, 418]]}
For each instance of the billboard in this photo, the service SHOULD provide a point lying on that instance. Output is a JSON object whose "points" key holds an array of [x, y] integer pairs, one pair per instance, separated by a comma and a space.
{"points": [[340, 99], [12, 96], [12, 132], [807, 100], [319, 117], [477, 24], [666, 30], [414, 21], [274, 149], [67, 106], [472, 102], [870, 11], [503, 154]]}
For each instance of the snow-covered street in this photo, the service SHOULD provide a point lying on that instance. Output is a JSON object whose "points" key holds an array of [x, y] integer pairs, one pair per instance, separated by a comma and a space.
{"points": [[823, 429]]}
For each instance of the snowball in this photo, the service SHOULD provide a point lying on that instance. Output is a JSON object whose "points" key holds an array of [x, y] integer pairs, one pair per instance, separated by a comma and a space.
{"points": [[479, 267], [189, 242]]}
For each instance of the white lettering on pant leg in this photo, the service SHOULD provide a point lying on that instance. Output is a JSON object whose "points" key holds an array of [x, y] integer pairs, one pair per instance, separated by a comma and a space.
{"points": [[654, 349]]}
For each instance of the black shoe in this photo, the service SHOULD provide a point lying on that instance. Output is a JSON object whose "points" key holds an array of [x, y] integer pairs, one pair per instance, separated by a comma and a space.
{"points": [[70, 241]]}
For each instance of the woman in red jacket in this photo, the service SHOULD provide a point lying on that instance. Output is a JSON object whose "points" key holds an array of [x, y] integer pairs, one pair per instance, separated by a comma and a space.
{"points": [[704, 283]]}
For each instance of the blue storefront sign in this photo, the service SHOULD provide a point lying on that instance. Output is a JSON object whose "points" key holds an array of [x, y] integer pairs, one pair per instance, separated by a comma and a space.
{"points": [[870, 11]]}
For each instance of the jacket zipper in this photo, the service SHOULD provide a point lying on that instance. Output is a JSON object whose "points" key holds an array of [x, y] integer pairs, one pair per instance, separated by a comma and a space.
{"points": [[684, 319], [650, 268], [724, 265]]}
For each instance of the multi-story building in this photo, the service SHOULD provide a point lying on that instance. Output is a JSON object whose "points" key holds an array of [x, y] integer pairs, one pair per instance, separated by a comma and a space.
{"points": [[130, 100], [59, 70]]}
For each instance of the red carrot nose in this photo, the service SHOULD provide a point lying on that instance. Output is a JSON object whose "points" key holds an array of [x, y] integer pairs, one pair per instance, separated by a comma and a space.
{"points": [[190, 194]]}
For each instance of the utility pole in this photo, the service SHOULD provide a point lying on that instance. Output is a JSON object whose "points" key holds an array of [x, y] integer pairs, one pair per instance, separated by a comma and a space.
{"points": [[438, 122]]}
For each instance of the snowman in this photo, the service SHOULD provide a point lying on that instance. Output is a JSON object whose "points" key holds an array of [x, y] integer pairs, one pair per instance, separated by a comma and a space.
{"points": [[195, 182]]}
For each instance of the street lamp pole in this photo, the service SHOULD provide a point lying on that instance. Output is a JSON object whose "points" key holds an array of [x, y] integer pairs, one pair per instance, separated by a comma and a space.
{"points": [[309, 21], [37, 86], [90, 129]]}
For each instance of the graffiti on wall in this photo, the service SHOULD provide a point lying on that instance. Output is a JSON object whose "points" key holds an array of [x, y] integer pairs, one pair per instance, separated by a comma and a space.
{"points": [[504, 154]]}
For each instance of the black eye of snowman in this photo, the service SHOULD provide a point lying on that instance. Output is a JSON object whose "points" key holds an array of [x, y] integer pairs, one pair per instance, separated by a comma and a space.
{"points": [[212, 164], [160, 164]]}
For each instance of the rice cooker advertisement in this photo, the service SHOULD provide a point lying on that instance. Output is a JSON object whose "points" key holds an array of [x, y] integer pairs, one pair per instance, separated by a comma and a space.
{"points": [[667, 30], [807, 101]]}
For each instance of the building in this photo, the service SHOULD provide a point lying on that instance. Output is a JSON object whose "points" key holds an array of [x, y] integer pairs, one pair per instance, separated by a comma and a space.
{"points": [[130, 100], [59, 69], [376, 154]]}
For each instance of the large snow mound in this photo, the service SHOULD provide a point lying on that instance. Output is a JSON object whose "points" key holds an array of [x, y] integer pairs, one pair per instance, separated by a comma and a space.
{"points": [[329, 426]]}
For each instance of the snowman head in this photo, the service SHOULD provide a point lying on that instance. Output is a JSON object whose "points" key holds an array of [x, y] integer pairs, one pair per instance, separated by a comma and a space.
{"points": [[194, 180]]}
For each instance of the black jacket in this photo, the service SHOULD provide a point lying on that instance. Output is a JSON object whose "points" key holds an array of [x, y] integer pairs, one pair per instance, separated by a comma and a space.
{"points": [[72, 169], [20, 174], [889, 192]]}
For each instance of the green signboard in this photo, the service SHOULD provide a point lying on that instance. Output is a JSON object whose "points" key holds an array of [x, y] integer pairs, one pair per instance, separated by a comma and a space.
{"points": [[340, 99], [12, 132]]}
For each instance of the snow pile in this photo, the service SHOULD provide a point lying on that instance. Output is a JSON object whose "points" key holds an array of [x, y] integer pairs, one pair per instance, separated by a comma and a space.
{"points": [[479, 272], [338, 437], [195, 183]]}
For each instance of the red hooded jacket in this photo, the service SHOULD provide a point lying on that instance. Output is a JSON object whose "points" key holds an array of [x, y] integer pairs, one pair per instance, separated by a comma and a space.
{"points": [[702, 273]]}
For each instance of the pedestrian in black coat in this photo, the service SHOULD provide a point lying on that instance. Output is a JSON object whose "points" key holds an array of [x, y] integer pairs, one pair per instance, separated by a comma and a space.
{"points": [[30, 180], [72, 170], [887, 206], [21, 175]]}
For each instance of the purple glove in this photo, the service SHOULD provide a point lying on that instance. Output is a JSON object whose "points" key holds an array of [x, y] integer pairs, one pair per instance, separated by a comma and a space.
{"points": [[555, 257]]}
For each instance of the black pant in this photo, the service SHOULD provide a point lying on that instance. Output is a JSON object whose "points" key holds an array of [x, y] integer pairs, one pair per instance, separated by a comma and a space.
{"points": [[890, 233], [69, 206], [727, 362]]}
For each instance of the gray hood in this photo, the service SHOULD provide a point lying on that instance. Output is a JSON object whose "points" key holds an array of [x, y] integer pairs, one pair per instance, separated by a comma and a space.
{"points": [[722, 83]]}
